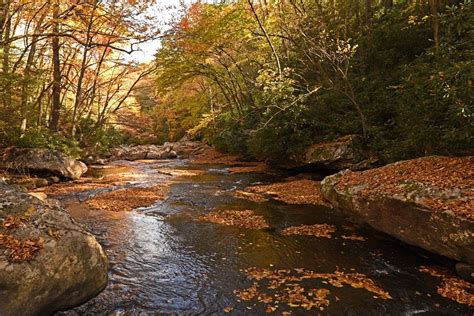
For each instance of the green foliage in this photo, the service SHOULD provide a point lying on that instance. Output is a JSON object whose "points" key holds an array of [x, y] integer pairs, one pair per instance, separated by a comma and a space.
{"points": [[44, 138], [99, 138], [345, 69]]}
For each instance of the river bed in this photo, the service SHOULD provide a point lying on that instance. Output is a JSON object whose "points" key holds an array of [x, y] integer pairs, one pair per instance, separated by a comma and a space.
{"points": [[163, 259]]}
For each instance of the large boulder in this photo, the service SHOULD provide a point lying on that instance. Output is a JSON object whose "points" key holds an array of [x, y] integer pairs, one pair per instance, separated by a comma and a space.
{"points": [[426, 202], [47, 261], [44, 160], [186, 148], [346, 152]]}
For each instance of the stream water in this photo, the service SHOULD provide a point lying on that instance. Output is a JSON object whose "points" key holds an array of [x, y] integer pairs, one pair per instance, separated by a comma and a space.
{"points": [[163, 260]]}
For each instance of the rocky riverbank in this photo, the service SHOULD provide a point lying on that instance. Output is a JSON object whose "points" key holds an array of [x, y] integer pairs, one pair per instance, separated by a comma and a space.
{"points": [[426, 202], [47, 261]]}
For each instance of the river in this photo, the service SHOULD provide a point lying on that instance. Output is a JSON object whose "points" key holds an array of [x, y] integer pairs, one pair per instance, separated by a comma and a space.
{"points": [[163, 259]]}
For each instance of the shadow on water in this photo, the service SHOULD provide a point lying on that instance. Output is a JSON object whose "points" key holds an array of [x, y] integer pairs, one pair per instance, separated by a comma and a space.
{"points": [[164, 260]]}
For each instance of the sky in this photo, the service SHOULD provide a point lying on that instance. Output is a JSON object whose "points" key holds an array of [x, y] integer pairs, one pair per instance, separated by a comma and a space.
{"points": [[166, 11]]}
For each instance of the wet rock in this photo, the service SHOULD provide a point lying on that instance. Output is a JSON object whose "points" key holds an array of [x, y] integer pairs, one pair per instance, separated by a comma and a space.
{"points": [[60, 265], [43, 160], [465, 271], [423, 202], [344, 153]]}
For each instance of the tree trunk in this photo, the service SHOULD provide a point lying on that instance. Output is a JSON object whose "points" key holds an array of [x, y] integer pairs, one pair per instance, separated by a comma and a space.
{"points": [[56, 94], [434, 21], [25, 85], [5, 25], [78, 100]]}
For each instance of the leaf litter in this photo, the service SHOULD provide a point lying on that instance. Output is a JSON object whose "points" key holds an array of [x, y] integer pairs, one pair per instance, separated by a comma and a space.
{"points": [[128, 199], [18, 250], [317, 230], [287, 288], [452, 287], [439, 183], [243, 219], [301, 191]]}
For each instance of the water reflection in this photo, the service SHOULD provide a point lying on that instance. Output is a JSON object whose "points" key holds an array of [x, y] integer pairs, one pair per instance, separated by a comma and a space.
{"points": [[164, 260]]}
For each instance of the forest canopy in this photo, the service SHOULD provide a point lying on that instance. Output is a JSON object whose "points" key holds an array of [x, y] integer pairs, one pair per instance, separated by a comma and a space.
{"points": [[260, 78], [65, 69], [266, 78]]}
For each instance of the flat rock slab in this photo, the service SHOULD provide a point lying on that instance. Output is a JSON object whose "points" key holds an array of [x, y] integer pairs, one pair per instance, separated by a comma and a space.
{"points": [[426, 202], [47, 261]]}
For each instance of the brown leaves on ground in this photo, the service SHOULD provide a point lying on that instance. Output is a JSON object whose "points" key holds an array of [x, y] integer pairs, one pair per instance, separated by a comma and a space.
{"points": [[18, 250], [12, 222], [67, 188], [318, 230], [213, 156], [441, 183], [244, 219], [452, 287], [259, 167], [128, 199], [125, 175], [287, 289], [291, 192], [254, 197]]}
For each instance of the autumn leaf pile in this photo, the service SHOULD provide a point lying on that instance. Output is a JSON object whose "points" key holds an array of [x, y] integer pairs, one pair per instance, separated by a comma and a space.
{"points": [[18, 250], [437, 175], [243, 219], [287, 289], [67, 188], [291, 192], [260, 167], [213, 156], [254, 197], [127, 199], [318, 230], [452, 287]]}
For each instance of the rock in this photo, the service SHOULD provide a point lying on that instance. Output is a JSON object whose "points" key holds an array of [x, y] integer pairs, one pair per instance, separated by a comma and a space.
{"points": [[161, 154], [54, 179], [45, 161], [465, 271], [422, 210], [39, 195], [67, 268], [343, 153], [181, 149]]}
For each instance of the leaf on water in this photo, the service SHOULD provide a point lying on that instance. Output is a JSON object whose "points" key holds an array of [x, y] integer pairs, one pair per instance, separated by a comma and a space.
{"points": [[318, 230], [286, 286], [353, 237], [244, 219], [452, 287]]}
